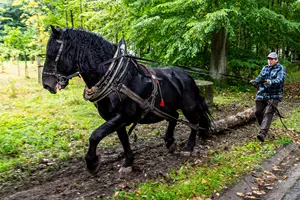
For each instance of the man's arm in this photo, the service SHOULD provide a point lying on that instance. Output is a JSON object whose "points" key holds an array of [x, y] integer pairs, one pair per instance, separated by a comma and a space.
{"points": [[280, 77]]}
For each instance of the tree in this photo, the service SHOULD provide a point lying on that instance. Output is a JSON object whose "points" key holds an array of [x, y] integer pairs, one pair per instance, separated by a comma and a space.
{"points": [[15, 39], [4, 52], [201, 33], [10, 15], [180, 31]]}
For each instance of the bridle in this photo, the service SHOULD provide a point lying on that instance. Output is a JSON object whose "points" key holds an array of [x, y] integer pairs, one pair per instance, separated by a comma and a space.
{"points": [[61, 79]]}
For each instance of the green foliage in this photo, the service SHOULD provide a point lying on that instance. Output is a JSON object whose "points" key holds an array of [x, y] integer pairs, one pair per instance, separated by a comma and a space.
{"points": [[293, 73], [9, 15], [176, 32]]}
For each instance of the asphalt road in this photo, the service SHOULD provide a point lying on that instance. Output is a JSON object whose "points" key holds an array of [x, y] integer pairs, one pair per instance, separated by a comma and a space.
{"points": [[288, 189], [294, 192]]}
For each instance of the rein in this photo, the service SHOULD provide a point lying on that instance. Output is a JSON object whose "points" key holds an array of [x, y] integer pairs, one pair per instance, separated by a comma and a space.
{"points": [[188, 68]]}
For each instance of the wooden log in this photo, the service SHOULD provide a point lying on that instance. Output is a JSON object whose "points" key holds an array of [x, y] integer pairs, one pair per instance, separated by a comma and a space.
{"points": [[234, 120], [206, 90]]}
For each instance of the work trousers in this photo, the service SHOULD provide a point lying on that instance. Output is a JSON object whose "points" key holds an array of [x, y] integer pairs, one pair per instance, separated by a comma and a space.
{"points": [[264, 111]]}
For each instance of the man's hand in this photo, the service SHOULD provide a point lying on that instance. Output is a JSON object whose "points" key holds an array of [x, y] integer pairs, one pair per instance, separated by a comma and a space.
{"points": [[251, 82], [268, 82]]}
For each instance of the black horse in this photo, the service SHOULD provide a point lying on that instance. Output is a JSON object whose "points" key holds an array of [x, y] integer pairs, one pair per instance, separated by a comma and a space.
{"points": [[123, 91]]}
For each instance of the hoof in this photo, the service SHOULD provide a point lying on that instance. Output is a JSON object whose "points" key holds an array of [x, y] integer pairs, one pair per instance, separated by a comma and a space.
{"points": [[125, 170], [94, 167], [172, 148], [186, 153], [261, 137]]}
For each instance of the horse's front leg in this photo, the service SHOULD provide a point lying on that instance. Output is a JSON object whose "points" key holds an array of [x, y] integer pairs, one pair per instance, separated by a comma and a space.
{"points": [[91, 158], [127, 165]]}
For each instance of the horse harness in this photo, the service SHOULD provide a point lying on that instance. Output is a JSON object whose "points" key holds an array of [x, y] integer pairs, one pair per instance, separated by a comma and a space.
{"points": [[112, 82], [61, 78]]}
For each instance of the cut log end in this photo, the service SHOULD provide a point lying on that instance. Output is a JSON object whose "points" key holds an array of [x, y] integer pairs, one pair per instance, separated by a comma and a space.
{"points": [[206, 90]]}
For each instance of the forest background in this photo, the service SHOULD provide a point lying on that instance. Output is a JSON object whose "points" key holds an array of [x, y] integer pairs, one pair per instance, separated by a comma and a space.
{"points": [[220, 36]]}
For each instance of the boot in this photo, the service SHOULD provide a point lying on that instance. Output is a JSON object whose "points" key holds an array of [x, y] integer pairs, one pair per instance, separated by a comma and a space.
{"points": [[261, 136]]}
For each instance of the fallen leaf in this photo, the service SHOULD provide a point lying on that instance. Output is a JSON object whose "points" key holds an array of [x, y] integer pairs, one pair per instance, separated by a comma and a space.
{"points": [[240, 194], [284, 177], [261, 192], [250, 197], [276, 168], [204, 181]]}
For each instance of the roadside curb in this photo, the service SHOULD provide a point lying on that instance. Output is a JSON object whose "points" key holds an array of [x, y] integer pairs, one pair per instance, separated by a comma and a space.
{"points": [[249, 181]]}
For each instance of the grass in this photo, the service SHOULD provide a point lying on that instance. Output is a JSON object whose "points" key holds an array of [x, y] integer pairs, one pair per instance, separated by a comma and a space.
{"points": [[36, 125], [226, 96], [292, 121]]}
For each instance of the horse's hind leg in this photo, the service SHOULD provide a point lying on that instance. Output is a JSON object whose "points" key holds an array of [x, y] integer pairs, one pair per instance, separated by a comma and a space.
{"points": [[192, 116], [169, 135], [127, 165]]}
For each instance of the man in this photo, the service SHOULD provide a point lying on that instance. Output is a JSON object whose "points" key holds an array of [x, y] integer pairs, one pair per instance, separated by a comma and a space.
{"points": [[270, 88]]}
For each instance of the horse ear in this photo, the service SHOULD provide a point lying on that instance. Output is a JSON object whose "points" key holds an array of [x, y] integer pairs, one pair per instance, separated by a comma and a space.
{"points": [[56, 31]]}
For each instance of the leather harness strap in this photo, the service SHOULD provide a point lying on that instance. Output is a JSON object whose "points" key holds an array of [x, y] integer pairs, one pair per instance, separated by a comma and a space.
{"points": [[112, 82], [144, 104]]}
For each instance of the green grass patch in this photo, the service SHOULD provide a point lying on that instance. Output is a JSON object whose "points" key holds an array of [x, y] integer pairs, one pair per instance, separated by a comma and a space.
{"points": [[222, 169], [229, 96], [36, 125], [292, 121]]}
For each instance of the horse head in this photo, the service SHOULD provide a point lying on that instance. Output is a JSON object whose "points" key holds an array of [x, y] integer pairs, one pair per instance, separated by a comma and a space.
{"points": [[59, 63]]}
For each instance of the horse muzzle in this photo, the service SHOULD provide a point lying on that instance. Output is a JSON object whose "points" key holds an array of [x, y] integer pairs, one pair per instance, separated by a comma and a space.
{"points": [[50, 83]]}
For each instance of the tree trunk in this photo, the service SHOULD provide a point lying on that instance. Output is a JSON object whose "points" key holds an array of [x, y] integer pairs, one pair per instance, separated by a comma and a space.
{"points": [[235, 120], [26, 66], [18, 64], [218, 61], [72, 20]]}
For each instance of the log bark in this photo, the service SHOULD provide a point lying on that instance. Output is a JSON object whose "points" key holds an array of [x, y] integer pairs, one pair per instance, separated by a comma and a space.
{"points": [[232, 121]]}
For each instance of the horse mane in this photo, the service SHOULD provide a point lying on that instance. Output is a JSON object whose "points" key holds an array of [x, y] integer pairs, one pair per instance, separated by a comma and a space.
{"points": [[88, 45]]}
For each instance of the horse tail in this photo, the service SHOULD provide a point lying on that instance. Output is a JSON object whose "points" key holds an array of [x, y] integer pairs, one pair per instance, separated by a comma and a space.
{"points": [[205, 118]]}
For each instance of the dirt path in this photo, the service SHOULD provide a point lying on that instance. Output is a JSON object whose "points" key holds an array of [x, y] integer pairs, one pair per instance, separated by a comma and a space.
{"points": [[71, 181]]}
